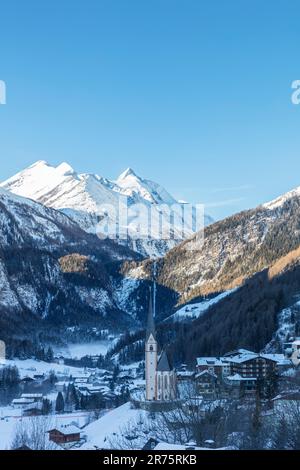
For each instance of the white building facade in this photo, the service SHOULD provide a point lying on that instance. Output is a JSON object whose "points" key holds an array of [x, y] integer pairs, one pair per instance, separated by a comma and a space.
{"points": [[160, 377]]}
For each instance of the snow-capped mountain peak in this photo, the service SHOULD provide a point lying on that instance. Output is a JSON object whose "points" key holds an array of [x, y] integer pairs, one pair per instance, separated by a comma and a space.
{"points": [[133, 185], [39, 163], [38, 179], [128, 172]]}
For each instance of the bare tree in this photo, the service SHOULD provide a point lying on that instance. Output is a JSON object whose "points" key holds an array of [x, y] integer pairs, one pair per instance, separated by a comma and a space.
{"points": [[32, 432], [286, 428], [193, 419]]}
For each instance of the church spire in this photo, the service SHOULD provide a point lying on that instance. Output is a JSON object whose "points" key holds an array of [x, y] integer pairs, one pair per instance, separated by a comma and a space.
{"points": [[150, 319]]}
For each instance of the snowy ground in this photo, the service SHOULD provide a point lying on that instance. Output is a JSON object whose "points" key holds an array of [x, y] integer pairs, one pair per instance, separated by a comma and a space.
{"points": [[79, 350], [195, 310], [9, 419], [100, 432], [29, 367]]}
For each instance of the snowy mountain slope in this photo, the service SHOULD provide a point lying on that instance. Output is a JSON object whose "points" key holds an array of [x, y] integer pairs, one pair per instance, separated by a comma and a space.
{"points": [[196, 309], [41, 278], [89, 199], [233, 250], [111, 426], [57, 279], [132, 185], [260, 315], [281, 200]]}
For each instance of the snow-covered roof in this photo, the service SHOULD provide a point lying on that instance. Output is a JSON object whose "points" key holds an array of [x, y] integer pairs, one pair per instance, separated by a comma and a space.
{"points": [[239, 359], [212, 361], [239, 378], [185, 373], [125, 373], [249, 356], [22, 401], [32, 395], [163, 364], [66, 430], [206, 372], [279, 358]]}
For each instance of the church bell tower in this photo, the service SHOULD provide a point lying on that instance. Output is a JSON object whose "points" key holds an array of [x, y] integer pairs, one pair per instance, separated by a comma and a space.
{"points": [[151, 355]]}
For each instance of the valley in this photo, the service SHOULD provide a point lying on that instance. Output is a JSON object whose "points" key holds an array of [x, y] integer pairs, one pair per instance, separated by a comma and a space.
{"points": [[74, 308]]}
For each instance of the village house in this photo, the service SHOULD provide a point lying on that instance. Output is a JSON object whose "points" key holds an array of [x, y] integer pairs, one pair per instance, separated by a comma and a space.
{"points": [[237, 372], [185, 375], [39, 377], [35, 397], [21, 403], [59, 360], [26, 380], [61, 386], [282, 363], [292, 350], [125, 376], [64, 434], [29, 406], [106, 376], [207, 384], [220, 366], [252, 365], [239, 387]]}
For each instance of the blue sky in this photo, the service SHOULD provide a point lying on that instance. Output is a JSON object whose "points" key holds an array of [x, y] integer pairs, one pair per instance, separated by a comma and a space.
{"points": [[193, 94]]}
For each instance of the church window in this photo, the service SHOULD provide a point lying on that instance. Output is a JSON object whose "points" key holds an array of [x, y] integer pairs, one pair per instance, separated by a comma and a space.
{"points": [[166, 381], [151, 348]]}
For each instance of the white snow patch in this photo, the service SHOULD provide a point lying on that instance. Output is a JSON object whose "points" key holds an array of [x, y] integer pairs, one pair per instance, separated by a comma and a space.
{"points": [[195, 310]]}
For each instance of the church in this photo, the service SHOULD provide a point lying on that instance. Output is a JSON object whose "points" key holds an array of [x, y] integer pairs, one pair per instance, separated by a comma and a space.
{"points": [[160, 375]]}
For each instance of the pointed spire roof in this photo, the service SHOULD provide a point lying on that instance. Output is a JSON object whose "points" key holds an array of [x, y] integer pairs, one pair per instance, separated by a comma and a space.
{"points": [[164, 363], [150, 319]]}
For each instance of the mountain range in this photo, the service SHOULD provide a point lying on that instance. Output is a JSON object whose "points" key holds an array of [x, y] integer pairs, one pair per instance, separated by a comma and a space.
{"points": [[57, 276], [92, 201]]}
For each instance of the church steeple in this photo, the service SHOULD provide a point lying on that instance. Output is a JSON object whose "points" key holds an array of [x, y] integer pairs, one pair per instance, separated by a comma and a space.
{"points": [[150, 319], [150, 354]]}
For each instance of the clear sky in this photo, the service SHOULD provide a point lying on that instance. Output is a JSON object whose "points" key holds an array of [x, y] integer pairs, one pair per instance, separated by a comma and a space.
{"points": [[194, 94]]}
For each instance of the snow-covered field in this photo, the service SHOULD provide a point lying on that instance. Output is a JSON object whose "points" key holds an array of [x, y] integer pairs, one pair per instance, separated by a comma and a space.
{"points": [[79, 350], [30, 367]]}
